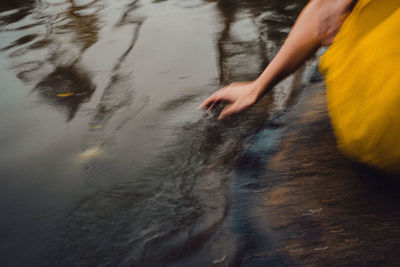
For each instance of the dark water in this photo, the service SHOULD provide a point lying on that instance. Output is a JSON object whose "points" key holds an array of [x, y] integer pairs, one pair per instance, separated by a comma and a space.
{"points": [[105, 160]]}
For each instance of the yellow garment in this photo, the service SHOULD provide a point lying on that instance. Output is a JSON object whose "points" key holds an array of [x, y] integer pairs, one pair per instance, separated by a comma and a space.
{"points": [[362, 74]]}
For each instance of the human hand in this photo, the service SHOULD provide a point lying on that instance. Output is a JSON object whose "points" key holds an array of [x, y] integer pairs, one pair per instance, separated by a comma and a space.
{"points": [[238, 95]]}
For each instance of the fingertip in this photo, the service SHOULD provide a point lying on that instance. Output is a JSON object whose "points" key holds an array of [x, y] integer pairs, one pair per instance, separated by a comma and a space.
{"points": [[221, 116], [203, 105]]}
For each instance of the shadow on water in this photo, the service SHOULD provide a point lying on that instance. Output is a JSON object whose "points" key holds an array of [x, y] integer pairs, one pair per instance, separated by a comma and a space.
{"points": [[67, 87]]}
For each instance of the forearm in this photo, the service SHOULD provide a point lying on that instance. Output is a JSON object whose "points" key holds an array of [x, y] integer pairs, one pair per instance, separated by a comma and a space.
{"points": [[306, 36], [315, 25]]}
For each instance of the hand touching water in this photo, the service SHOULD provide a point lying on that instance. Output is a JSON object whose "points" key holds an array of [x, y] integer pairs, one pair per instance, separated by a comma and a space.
{"points": [[238, 96], [317, 25]]}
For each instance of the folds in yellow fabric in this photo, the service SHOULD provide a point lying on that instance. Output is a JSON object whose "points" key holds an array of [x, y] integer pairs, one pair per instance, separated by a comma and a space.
{"points": [[362, 74]]}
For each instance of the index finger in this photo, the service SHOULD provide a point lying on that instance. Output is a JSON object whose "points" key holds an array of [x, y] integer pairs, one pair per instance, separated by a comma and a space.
{"points": [[211, 100], [206, 103]]}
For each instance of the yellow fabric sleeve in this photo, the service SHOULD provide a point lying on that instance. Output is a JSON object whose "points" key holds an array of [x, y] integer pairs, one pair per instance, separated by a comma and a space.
{"points": [[362, 74]]}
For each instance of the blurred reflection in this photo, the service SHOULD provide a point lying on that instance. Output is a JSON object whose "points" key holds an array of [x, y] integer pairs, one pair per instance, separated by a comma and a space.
{"points": [[47, 56], [83, 22], [15, 10], [252, 33], [119, 91], [242, 57]]}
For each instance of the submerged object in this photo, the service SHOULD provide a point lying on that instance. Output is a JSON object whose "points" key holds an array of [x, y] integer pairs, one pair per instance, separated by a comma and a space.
{"points": [[361, 70], [90, 153]]}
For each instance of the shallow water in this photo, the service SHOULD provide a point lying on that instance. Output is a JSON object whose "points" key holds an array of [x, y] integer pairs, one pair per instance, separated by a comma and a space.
{"points": [[105, 159]]}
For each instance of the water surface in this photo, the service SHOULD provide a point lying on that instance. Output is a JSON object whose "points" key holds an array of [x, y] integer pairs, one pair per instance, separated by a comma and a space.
{"points": [[105, 159]]}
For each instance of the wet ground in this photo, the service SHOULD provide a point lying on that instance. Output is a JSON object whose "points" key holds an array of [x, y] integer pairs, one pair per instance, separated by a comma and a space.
{"points": [[106, 161]]}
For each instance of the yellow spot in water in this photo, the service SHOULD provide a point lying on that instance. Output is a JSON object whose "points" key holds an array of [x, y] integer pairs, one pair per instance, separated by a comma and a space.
{"points": [[337, 231], [97, 126], [66, 94]]}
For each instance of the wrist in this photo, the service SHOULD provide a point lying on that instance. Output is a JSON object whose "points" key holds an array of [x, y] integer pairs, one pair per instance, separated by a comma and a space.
{"points": [[258, 88]]}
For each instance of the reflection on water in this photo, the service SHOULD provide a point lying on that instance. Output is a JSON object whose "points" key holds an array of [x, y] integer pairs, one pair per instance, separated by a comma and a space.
{"points": [[247, 43], [55, 35], [132, 175], [13, 11]]}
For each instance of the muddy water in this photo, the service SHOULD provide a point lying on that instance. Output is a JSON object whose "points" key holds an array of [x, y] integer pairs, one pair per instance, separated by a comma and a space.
{"points": [[105, 160]]}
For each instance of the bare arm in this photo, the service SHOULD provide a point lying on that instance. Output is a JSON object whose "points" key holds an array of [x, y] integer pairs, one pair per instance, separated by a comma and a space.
{"points": [[315, 26]]}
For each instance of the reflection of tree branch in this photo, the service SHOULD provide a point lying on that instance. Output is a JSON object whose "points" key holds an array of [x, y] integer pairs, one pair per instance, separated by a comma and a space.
{"points": [[105, 109], [132, 44], [271, 22], [228, 11], [121, 59], [123, 21], [130, 7]]}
